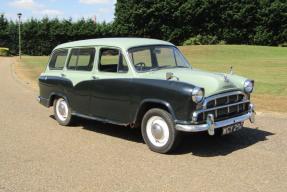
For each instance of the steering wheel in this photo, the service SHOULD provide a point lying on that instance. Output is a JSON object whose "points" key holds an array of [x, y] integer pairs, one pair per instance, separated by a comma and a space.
{"points": [[140, 64]]}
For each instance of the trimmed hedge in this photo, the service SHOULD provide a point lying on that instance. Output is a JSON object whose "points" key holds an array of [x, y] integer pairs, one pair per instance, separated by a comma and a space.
{"points": [[192, 22]]}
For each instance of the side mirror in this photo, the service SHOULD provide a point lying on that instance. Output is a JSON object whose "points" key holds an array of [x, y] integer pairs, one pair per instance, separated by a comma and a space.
{"points": [[170, 75]]}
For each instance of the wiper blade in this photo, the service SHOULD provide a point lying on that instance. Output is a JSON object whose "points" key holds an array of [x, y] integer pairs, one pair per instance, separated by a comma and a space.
{"points": [[173, 67], [154, 69], [164, 67], [182, 67]]}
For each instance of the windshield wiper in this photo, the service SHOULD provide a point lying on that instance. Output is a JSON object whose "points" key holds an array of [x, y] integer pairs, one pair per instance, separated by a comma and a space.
{"points": [[163, 67], [154, 69], [167, 67]]}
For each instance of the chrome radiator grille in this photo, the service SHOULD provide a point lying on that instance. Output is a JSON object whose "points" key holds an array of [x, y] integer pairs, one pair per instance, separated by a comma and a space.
{"points": [[225, 100], [223, 106]]}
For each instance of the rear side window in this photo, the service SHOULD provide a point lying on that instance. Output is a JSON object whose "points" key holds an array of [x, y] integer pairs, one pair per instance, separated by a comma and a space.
{"points": [[58, 59], [81, 59]]}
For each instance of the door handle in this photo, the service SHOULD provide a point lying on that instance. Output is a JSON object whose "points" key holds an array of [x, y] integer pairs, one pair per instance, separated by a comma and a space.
{"points": [[63, 75]]}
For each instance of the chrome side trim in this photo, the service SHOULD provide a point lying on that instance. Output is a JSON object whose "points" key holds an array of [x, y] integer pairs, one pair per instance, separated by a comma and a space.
{"points": [[209, 125], [99, 119]]}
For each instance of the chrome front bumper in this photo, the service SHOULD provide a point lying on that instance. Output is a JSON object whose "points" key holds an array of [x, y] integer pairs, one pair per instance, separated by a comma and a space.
{"points": [[210, 125]]}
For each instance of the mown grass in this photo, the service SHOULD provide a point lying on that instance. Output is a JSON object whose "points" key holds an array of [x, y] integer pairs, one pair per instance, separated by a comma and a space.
{"points": [[34, 65], [266, 65]]}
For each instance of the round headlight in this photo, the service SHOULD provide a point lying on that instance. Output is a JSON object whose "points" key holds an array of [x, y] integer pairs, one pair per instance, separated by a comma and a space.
{"points": [[248, 86], [197, 95]]}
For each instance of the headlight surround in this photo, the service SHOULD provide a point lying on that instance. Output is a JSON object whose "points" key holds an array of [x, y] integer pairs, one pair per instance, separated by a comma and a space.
{"points": [[197, 95], [248, 86]]}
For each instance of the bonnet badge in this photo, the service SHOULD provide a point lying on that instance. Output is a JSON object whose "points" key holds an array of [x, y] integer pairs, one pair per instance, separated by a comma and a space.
{"points": [[225, 75]]}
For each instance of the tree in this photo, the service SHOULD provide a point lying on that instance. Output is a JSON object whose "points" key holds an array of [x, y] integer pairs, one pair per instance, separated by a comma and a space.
{"points": [[237, 22], [3, 31]]}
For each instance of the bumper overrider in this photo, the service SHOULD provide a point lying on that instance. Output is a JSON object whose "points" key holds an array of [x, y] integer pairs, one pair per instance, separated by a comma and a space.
{"points": [[211, 125]]}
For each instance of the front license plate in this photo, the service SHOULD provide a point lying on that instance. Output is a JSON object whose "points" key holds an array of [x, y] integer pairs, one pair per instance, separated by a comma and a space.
{"points": [[231, 128]]}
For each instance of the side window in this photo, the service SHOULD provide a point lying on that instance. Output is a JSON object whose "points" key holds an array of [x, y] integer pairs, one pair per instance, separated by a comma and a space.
{"points": [[81, 59], [112, 60], [72, 64], [58, 59]]}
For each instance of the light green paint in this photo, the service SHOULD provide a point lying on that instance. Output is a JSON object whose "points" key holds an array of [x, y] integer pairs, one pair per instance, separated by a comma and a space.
{"points": [[211, 82], [122, 43]]}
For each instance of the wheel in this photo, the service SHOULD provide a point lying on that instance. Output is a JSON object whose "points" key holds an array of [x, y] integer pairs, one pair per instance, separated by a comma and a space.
{"points": [[62, 111], [158, 131]]}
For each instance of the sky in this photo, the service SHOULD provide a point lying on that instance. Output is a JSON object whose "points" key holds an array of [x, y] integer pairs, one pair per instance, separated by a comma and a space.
{"points": [[103, 10]]}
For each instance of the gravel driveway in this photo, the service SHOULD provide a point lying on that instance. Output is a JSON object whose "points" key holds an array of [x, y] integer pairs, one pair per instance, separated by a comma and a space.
{"points": [[36, 154]]}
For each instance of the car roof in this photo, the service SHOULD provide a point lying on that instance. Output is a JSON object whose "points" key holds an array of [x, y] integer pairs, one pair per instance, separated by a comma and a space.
{"points": [[123, 43]]}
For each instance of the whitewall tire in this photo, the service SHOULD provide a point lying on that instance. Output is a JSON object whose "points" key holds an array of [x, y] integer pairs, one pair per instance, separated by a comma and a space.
{"points": [[158, 131], [62, 111]]}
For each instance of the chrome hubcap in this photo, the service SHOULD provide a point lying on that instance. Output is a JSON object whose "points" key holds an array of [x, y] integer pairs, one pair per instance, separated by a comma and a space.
{"points": [[62, 109], [157, 131]]}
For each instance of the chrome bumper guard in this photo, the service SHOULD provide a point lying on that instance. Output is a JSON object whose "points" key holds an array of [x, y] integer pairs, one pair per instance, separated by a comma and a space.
{"points": [[210, 125]]}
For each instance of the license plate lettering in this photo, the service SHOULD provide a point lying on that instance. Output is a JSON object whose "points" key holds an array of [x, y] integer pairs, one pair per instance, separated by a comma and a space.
{"points": [[231, 128]]}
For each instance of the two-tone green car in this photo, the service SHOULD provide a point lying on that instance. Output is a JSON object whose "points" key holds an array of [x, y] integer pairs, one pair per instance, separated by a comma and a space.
{"points": [[143, 83]]}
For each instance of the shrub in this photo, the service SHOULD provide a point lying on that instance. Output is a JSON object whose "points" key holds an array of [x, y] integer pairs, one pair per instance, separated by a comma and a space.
{"points": [[203, 40], [192, 41], [283, 44], [222, 42], [4, 51]]}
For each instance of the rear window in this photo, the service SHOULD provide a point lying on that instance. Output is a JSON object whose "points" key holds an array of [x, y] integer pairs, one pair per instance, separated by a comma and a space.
{"points": [[58, 59], [81, 59]]}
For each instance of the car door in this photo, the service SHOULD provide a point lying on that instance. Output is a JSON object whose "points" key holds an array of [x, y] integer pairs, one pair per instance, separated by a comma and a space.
{"points": [[111, 87], [52, 80], [79, 71]]}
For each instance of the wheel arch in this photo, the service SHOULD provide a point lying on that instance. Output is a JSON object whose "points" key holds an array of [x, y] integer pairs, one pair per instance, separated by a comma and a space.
{"points": [[148, 104], [55, 95]]}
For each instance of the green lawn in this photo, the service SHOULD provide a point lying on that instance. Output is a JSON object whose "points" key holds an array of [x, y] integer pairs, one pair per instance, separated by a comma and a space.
{"points": [[34, 65], [266, 65]]}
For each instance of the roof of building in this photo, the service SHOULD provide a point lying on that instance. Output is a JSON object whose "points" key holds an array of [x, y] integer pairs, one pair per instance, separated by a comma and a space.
{"points": [[124, 43]]}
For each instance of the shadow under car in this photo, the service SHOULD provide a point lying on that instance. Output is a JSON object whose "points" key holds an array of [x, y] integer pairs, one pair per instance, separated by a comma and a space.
{"points": [[198, 144]]}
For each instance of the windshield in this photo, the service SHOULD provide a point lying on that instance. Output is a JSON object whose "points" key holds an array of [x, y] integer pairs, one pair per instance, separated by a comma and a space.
{"points": [[157, 57]]}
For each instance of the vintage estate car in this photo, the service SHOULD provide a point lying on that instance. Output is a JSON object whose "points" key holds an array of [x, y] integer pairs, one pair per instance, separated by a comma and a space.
{"points": [[143, 83]]}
